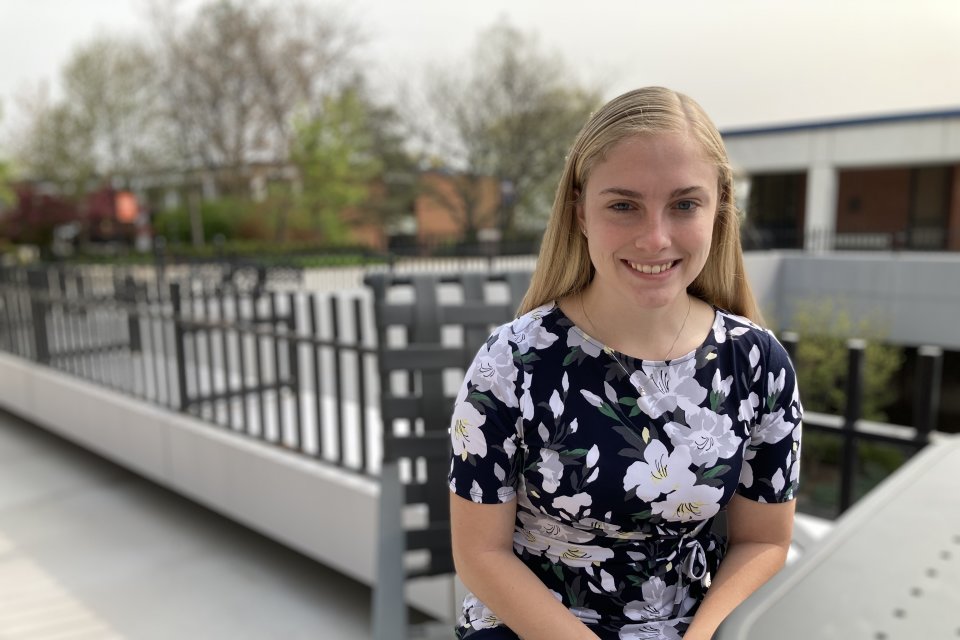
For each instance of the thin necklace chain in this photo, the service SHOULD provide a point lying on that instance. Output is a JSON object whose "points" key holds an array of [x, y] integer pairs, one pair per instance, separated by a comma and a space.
{"points": [[609, 351]]}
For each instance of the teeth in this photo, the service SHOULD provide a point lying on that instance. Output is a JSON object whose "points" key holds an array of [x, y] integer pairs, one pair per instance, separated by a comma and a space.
{"points": [[652, 268]]}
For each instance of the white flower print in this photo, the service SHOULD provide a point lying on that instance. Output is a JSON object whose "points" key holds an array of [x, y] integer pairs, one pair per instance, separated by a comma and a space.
{"points": [[662, 472], [528, 333], [575, 338], [658, 600], [551, 468], [526, 400], [721, 386], [494, 370], [692, 502], [592, 398], [748, 408], [664, 630], [476, 492], [777, 481], [577, 555], [587, 616], [599, 526], [573, 504], [708, 435], [775, 385], [746, 473], [607, 582], [593, 455], [773, 427], [556, 404], [509, 447], [466, 437], [546, 528], [476, 614], [610, 393], [663, 389], [719, 330]]}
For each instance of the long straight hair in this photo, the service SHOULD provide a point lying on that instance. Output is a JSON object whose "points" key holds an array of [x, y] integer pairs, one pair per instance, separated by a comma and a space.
{"points": [[563, 266]]}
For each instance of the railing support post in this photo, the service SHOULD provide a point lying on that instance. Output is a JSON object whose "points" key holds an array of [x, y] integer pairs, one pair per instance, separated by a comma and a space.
{"points": [[39, 288], [855, 352], [179, 349], [926, 403]]}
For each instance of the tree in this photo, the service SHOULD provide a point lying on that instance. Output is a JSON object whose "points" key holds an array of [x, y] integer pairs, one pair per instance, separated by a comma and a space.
{"points": [[240, 74], [822, 360], [110, 86], [104, 126], [6, 177], [337, 161], [512, 117]]}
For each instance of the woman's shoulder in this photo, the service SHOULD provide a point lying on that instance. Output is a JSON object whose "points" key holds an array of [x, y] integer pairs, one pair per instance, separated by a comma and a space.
{"points": [[739, 330], [538, 328]]}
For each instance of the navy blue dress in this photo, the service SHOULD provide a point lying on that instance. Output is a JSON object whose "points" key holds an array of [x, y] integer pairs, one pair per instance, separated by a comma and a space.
{"points": [[619, 465]]}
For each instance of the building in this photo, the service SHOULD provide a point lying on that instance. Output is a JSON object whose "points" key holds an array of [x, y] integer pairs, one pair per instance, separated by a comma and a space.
{"points": [[890, 182]]}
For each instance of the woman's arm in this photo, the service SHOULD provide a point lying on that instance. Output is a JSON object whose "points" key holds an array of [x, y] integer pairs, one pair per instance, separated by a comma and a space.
{"points": [[484, 558], [759, 536]]}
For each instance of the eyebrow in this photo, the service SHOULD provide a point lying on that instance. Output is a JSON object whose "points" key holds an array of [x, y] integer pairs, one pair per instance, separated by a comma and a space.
{"points": [[630, 193]]}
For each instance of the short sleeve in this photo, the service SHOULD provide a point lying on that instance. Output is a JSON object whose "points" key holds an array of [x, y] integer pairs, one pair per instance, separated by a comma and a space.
{"points": [[486, 426], [771, 469]]}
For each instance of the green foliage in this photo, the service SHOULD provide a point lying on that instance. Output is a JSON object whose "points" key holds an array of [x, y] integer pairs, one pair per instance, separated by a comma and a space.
{"points": [[335, 155], [821, 360], [225, 217]]}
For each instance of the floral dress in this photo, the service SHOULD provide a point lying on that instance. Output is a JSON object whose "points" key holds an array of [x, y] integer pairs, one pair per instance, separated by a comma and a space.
{"points": [[619, 465]]}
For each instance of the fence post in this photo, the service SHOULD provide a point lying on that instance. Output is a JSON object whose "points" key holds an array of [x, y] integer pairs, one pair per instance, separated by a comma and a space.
{"points": [[854, 408], [178, 345], [926, 403], [39, 288], [789, 340], [128, 296]]}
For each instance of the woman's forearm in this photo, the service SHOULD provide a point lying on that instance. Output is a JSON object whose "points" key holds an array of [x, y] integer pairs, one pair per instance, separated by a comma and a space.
{"points": [[744, 568], [518, 598]]}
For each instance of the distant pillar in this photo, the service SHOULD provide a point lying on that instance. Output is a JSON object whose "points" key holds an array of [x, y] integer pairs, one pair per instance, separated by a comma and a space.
{"points": [[953, 214], [820, 218]]}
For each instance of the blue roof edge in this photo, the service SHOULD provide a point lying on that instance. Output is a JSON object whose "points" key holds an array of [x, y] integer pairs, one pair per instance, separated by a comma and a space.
{"points": [[844, 122]]}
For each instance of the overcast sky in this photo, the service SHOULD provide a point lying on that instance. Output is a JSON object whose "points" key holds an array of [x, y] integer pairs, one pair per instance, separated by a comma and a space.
{"points": [[749, 62]]}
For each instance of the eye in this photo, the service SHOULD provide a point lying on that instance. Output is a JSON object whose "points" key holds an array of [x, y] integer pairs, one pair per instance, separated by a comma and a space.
{"points": [[687, 205], [621, 206]]}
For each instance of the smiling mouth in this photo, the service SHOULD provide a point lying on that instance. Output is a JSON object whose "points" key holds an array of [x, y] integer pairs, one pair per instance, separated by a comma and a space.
{"points": [[652, 269]]}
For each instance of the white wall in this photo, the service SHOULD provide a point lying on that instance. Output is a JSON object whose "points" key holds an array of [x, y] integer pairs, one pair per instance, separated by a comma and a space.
{"points": [[324, 513], [935, 140], [913, 296]]}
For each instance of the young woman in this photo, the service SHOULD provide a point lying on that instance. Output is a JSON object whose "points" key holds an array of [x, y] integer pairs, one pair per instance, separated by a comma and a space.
{"points": [[596, 437]]}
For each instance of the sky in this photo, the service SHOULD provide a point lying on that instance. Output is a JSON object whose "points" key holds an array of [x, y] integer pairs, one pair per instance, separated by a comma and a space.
{"points": [[748, 62]]}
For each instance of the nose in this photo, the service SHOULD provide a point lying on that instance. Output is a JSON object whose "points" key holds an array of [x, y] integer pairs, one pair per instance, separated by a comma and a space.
{"points": [[652, 234]]}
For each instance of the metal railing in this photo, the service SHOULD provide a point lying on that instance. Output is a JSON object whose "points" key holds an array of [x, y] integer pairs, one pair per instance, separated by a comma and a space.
{"points": [[292, 369], [852, 430]]}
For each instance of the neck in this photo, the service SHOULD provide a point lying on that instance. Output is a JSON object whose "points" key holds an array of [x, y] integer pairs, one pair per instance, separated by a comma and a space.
{"points": [[614, 323]]}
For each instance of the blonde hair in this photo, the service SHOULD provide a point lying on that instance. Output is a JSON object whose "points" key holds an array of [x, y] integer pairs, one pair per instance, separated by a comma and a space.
{"points": [[564, 267]]}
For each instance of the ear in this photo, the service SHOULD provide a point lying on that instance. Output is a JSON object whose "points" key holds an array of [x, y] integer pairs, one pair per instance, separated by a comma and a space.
{"points": [[578, 208]]}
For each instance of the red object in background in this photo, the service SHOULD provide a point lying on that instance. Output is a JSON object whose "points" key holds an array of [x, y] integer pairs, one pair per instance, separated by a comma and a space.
{"points": [[126, 207], [103, 215]]}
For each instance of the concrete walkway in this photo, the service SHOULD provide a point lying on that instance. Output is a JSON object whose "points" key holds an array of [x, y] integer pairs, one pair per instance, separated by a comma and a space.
{"points": [[90, 550]]}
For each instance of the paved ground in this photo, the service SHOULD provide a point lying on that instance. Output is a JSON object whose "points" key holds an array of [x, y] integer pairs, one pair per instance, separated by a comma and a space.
{"points": [[90, 550]]}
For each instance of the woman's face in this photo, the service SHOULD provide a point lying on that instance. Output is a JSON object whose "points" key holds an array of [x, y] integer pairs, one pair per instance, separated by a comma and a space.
{"points": [[648, 210]]}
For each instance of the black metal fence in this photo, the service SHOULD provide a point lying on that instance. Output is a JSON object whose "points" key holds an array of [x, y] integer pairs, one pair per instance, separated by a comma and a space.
{"points": [[293, 369], [853, 433]]}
